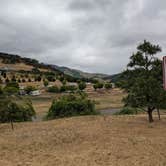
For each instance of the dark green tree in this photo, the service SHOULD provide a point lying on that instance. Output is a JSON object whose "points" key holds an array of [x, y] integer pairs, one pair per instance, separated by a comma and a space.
{"points": [[82, 86], [107, 85], [143, 79], [45, 82]]}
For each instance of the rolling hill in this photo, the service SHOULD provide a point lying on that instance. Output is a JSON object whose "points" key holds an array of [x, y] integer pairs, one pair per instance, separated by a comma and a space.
{"points": [[78, 73], [16, 62]]}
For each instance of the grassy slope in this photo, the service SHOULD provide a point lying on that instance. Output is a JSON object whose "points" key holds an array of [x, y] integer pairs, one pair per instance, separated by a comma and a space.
{"points": [[80, 74], [19, 66], [85, 141]]}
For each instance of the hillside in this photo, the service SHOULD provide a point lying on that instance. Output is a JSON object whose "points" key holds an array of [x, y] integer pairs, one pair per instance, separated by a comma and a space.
{"points": [[78, 73], [114, 78], [16, 63], [85, 141]]}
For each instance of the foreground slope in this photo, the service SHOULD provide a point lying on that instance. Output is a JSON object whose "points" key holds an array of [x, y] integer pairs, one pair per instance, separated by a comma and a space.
{"points": [[85, 141]]}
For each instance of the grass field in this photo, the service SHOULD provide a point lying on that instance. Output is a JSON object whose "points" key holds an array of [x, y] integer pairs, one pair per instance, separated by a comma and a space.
{"points": [[85, 141]]}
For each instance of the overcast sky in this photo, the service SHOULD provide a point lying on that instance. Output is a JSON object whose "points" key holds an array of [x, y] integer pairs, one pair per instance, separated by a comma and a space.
{"points": [[91, 35]]}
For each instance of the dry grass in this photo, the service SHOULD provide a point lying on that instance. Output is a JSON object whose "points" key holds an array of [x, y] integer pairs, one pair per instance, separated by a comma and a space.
{"points": [[85, 141], [19, 66], [108, 99]]}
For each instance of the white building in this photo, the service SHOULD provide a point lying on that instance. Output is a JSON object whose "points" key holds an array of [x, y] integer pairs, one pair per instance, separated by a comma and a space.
{"points": [[35, 93]]}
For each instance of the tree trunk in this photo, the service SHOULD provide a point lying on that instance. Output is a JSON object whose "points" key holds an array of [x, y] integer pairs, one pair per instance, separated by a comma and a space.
{"points": [[12, 126], [158, 113], [150, 115]]}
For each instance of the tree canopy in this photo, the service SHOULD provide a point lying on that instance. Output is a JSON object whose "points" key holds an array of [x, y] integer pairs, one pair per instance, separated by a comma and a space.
{"points": [[143, 79]]}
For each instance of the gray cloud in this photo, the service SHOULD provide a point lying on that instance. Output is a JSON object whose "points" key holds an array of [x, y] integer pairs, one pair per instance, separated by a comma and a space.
{"points": [[91, 35]]}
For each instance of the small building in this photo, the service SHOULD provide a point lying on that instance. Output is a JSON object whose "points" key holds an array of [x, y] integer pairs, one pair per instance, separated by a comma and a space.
{"points": [[35, 93]]}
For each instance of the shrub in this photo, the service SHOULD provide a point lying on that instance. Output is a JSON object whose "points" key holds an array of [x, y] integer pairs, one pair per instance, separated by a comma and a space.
{"points": [[61, 78], [71, 105], [128, 111], [4, 75], [63, 88], [38, 78], [98, 85], [71, 88], [11, 88], [7, 80], [12, 110], [19, 80], [12, 84], [13, 79], [23, 80], [95, 86], [108, 85], [1, 90], [64, 82], [82, 86], [53, 89], [29, 89], [51, 78], [1, 81], [45, 82], [29, 80]]}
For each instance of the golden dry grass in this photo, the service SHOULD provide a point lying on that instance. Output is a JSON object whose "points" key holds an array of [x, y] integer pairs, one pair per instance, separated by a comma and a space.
{"points": [[107, 99], [85, 141], [19, 66]]}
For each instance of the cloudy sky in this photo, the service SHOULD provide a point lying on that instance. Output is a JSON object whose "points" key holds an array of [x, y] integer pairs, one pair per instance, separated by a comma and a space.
{"points": [[91, 35]]}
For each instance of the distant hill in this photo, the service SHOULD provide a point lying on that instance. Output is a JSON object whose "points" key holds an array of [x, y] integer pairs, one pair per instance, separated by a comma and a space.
{"points": [[16, 62], [78, 73], [114, 78]]}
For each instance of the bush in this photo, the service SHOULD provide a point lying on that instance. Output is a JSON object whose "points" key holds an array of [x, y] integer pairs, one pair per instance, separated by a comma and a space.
{"points": [[29, 80], [95, 86], [71, 88], [7, 80], [64, 82], [29, 89], [45, 82], [13, 79], [53, 89], [23, 80], [98, 85], [51, 78], [19, 80], [82, 86], [12, 110], [1, 90], [38, 78], [12, 84], [11, 88], [108, 85], [63, 88], [71, 105], [128, 111]]}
